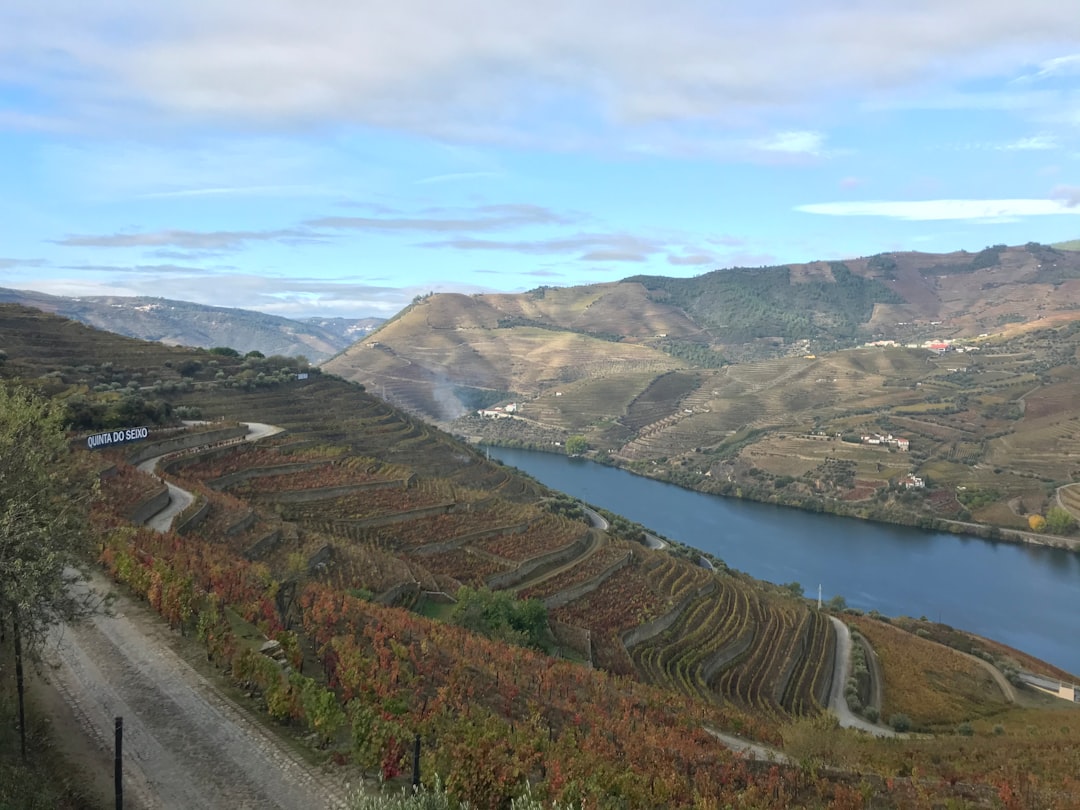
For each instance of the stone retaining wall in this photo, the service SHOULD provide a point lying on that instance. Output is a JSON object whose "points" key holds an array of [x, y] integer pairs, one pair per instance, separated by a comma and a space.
{"points": [[577, 591], [146, 509], [644, 632], [186, 441], [508, 579]]}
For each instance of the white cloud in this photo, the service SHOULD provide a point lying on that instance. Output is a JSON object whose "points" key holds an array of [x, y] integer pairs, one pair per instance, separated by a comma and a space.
{"points": [[793, 142], [1034, 143], [927, 210], [1060, 65], [482, 71]]}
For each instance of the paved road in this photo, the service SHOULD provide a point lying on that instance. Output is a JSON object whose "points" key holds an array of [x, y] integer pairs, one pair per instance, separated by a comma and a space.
{"points": [[180, 499], [598, 520], [186, 745]]}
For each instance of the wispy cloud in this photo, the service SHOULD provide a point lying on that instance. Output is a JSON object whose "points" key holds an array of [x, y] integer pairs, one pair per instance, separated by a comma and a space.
{"points": [[1058, 66], [190, 240], [483, 218], [457, 177], [147, 270], [11, 264], [1069, 195], [801, 142], [599, 247], [237, 191], [1034, 143], [692, 259], [928, 210]]}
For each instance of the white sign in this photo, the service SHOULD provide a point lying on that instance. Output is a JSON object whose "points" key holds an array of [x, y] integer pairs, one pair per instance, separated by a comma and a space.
{"points": [[111, 437]]}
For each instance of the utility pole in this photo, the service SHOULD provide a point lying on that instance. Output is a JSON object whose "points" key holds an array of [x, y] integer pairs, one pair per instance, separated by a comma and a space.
{"points": [[819, 596]]}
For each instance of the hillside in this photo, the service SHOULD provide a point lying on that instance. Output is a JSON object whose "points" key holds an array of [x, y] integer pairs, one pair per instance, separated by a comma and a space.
{"points": [[182, 323], [525, 345], [955, 347], [336, 534]]}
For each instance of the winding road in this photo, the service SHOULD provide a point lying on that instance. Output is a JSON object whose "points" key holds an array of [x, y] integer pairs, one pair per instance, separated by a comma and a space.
{"points": [[841, 672], [186, 744]]}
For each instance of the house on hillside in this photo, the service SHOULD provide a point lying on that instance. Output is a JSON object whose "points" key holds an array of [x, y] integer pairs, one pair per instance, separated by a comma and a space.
{"points": [[911, 482], [887, 439], [499, 411]]}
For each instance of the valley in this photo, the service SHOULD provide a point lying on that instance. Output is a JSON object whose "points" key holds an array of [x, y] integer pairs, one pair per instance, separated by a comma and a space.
{"points": [[341, 535]]}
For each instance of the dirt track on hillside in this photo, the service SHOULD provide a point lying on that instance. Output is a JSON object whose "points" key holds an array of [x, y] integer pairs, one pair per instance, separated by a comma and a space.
{"points": [[186, 745]]}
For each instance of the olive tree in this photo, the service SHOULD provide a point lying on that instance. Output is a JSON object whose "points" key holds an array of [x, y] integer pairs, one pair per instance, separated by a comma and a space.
{"points": [[44, 494]]}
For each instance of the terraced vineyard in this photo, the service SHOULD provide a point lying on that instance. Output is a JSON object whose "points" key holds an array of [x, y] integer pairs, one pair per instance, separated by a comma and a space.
{"points": [[729, 641], [368, 500]]}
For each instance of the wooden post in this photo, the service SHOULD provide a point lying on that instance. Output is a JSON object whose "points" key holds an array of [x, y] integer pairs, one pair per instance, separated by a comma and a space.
{"points": [[416, 763], [19, 685], [118, 764]]}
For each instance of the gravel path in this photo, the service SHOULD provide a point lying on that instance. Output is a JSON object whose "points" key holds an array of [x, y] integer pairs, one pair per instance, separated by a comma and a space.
{"points": [[841, 671], [186, 745]]}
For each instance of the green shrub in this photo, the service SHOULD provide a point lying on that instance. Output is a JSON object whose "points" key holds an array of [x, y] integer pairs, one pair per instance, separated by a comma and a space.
{"points": [[900, 722]]}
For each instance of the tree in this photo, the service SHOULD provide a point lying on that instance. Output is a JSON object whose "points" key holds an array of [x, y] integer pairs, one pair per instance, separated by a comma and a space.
{"points": [[1059, 521], [498, 615], [576, 445], [44, 493], [796, 588], [1037, 523]]}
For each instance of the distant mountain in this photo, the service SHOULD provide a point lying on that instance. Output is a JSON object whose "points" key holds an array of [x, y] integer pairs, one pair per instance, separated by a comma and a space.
{"points": [[450, 353], [347, 329], [182, 323]]}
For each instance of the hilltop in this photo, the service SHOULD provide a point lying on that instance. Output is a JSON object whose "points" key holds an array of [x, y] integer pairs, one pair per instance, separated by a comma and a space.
{"points": [[182, 323], [526, 344], [343, 535]]}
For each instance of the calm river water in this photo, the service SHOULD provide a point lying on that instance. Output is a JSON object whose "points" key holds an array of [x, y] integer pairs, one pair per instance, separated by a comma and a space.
{"points": [[1024, 596]]}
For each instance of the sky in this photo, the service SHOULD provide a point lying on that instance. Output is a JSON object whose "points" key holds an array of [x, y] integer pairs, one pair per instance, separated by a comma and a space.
{"points": [[339, 157]]}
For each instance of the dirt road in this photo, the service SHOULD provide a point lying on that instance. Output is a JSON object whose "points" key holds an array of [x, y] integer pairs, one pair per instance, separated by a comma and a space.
{"points": [[186, 744], [842, 668]]}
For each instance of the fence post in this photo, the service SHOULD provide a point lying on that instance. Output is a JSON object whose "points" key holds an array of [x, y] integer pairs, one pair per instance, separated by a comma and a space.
{"points": [[118, 764], [416, 763]]}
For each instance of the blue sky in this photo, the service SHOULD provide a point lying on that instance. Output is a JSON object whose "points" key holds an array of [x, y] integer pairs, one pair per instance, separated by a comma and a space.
{"points": [[339, 157]]}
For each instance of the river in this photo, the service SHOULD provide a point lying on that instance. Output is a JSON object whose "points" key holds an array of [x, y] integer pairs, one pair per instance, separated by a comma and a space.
{"points": [[1025, 596]]}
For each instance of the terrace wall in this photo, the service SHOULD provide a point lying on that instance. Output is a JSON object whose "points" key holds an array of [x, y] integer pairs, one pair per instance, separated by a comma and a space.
{"points": [[186, 442], [238, 477], [151, 506], [329, 493], [643, 632], [577, 591], [192, 521], [508, 579]]}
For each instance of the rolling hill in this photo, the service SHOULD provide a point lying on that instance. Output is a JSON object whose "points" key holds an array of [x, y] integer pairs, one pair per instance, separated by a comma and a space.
{"points": [[181, 323], [645, 370], [521, 346]]}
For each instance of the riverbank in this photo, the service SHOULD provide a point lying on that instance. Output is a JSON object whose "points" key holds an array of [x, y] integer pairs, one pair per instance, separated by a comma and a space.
{"points": [[745, 491], [1021, 594]]}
